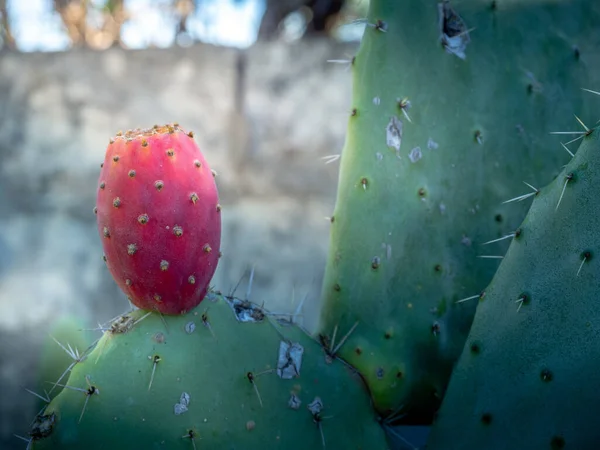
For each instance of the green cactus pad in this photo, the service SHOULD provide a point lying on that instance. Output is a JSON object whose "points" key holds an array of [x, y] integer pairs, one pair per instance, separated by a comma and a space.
{"points": [[528, 377], [452, 111], [222, 376]]}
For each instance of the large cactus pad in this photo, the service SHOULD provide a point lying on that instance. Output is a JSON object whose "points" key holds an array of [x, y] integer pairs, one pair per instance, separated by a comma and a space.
{"points": [[225, 375]]}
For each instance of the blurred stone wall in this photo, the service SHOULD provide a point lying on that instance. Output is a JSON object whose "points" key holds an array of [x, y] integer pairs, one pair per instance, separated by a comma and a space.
{"points": [[263, 117]]}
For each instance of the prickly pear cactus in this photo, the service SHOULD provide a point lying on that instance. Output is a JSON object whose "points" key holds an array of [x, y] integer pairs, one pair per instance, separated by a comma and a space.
{"points": [[225, 375], [159, 218], [452, 109], [528, 377]]}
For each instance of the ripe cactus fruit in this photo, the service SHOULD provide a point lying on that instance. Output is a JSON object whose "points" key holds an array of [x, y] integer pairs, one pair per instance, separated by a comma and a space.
{"points": [[159, 218], [446, 124], [225, 375], [528, 376]]}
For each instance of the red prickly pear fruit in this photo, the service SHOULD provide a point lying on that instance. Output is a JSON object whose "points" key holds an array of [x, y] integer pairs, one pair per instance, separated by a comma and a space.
{"points": [[159, 218]]}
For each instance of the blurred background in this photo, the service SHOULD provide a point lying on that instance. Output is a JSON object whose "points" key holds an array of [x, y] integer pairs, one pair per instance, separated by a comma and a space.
{"points": [[251, 78]]}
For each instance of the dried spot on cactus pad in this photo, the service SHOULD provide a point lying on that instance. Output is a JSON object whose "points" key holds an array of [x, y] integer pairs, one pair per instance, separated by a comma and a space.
{"points": [[453, 31], [246, 311], [290, 360]]}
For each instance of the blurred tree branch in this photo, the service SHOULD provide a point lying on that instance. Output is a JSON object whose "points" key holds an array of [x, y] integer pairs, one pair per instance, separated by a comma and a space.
{"points": [[8, 40], [322, 13], [114, 18], [75, 18], [183, 9], [74, 15]]}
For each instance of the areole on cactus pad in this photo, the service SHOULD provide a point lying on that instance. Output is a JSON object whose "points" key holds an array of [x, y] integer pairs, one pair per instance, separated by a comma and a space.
{"points": [[159, 218]]}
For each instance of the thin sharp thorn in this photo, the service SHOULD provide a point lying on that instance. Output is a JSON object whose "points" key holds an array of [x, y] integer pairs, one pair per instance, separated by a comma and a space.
{"points": [[465, 32], [568, 151], [567, 132], [331, 158], [257, 393], [87, 398], [399, 436], [85, 353], [101, 350], [47, 400], [250, 281], [468, 298], [62, 376], [206, 323], [232, 292], [490, 256], [339, 61], [68, 352], [332, 343], [520, 302], [162, 318], [275, 313], [581, 265], [142, 318], [22, 438], [270, 321], [322, 435], [520, 198], [68, 387], [264, 372], [582, 124], [153, 371], [100, 328], [300, 305], [588, 90], [35, 418], [212, 332], [395, 415], [345, 337], [534, 189], [562, 194], [500, 239], [406, 115], [576, 139]]}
